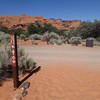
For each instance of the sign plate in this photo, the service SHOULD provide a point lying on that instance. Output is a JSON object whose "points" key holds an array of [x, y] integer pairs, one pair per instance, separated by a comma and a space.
{"points": [[13, 50]]}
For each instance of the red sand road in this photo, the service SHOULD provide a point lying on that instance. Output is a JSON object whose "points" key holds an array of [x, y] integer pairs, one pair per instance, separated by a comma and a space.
{"points": [[67, 73]]}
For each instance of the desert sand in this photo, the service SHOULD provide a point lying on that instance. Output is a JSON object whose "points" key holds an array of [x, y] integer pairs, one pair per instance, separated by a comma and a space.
{"points": [[67, 73]]}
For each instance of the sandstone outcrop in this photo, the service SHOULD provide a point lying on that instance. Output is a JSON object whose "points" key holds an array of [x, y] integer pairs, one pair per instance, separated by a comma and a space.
{"points": [[23, 21]]}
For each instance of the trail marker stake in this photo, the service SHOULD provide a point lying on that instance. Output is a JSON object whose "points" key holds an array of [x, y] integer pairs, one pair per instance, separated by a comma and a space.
{"points": [[14, 59]]}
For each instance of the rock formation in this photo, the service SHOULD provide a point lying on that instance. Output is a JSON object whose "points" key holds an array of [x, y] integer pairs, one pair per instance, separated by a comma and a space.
{"points": [[24, 20]]}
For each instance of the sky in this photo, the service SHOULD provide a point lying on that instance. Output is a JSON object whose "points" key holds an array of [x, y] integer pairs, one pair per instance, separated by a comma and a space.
{"points": [[85, 10]]}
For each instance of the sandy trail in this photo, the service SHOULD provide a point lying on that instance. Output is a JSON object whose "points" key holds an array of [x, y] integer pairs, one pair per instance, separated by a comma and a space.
{"points": [[47, 55], [67, 73], [65, 83]]}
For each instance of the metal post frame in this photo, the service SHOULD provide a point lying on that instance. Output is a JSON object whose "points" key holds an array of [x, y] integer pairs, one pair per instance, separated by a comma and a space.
{"points": [[14, 59]]}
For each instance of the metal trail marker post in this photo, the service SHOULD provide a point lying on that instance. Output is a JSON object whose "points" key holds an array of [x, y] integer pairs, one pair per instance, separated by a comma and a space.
{"points": [[14, 59]]}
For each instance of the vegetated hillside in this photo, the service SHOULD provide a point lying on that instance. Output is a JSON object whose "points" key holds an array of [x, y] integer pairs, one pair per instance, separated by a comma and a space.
{"points": [[24, 20]]}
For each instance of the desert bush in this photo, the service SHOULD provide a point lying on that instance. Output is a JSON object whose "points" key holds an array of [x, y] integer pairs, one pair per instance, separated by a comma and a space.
{"points": [[54, 35], [56, 41], [97, 43], [4, 58], [65, 39], [89, 29], [30, 64], [36, 37], [19, 31], [34, 42], [75, 40], [23, 61], [22, 36], [50, 37], [21, 52], [59, 42], [91, 38], [4, 38], [98, 39], [4, 29], [1, 36], [40, 29], [52, 41], [67, 35], [5, 62], [46, 37], [83, 42]]}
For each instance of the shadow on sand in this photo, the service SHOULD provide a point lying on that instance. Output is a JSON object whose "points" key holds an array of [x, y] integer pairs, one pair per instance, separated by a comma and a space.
{"points": [[30, 74], [1, 81]]}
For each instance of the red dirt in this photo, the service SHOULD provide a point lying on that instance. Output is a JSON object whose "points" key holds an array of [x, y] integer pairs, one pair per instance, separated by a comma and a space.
{"points": [[29, 43], [61, 79], [42, 43], [59, 83], [24, 43]]}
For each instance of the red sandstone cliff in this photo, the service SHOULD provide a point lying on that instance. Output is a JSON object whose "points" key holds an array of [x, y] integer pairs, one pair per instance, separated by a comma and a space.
{"points": [[23, 21]]}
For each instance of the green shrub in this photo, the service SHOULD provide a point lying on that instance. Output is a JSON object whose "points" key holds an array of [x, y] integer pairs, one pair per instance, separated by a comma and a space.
{"points": [[34, 42], [91, 38], [30, 64], [59, 42], [96, 43], [0, 65], [40, 29], [46, 37], [4, 29], [65, 41], [83, 43], [36, 37], [52, 41], [54, 35], [98, 39], [5, 62], [4, 38], [22, 36], [75, 40], [5, 57], [56, 41], [50, 37], [21, 52], [23, 61]]}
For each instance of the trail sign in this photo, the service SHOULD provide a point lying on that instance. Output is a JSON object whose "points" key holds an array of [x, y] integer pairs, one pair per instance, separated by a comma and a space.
{"points": [[89, 43], [14, 59]]}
